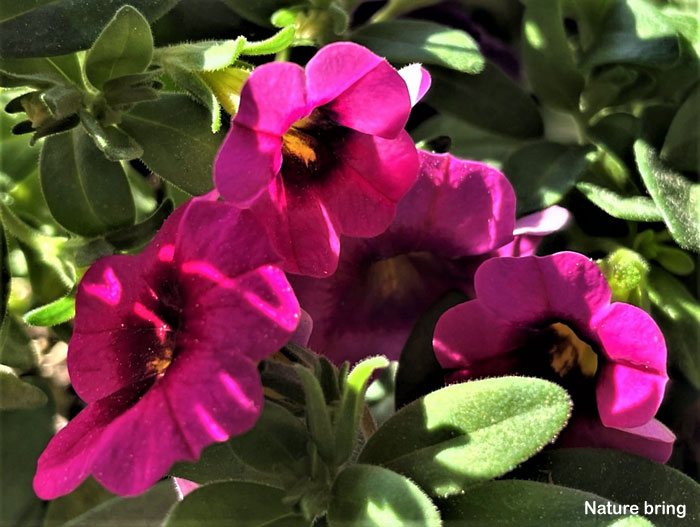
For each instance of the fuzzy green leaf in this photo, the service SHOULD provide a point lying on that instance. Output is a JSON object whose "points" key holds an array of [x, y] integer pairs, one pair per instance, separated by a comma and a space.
{"points": [[634, 208], [683, 139], [408, 41], [201, 56], [468, 433], [124, 47], [274, 44], [15, 394], [57, 312]]}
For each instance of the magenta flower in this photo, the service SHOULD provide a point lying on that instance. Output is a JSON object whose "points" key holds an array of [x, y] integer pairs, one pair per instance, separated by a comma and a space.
{"points": [[551, 317], [320, 152], [456, 209], [165, 350]]}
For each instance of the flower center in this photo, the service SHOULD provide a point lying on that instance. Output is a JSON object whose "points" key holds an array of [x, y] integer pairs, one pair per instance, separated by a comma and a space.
{"points": [[569, 351], [308, 148], [158, 364]]}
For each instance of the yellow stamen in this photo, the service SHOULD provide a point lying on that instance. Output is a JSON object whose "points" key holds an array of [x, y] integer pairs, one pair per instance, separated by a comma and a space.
{"points": [[299, 145], [570, 351], [160, 363]]}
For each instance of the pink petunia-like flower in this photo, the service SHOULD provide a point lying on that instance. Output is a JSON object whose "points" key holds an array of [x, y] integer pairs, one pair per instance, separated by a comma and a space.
{"points": [[321, 152], [551, 317], [165, 350], [457, 209]]}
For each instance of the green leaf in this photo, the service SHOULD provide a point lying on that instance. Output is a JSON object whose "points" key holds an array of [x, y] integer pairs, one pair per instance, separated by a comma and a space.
{"points": [[4, 276], [374, 496], [87, 496], [615, 85], [259, 11], [15, 394], [677, 198], [468, 433], [86, 193], [419, 372], [115, 144], [201, 56], [634, 32], [138, 235], [221, 503], [124, 47], [683, 139], [24, 436], [542, 173], [547, 55], [408, 41], [41, 72], [531, 504], [65, 26], [274, 44], [12, 8], [15, 348], [58, 312], [317, 415], [466, 140], [178, 144], [17, 158], [490, 100], [616, 133], [149, 509], [634, 208], [277, 440], [601, 472], [201, 91], [351, 404], [678, 314]]}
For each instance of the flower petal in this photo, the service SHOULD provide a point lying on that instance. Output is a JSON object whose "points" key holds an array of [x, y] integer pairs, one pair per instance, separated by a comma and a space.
{"points": [[68, 458], [627, 396], [565, 286], [417, 80], [374, 174], [651, 440], [273, 98], [469, 333], [246, 163]]}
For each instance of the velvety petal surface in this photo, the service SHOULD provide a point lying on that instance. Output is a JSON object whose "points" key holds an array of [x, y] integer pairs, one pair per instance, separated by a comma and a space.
{"points": [[563, 286], [417, 80], [300, 228], [273, 98], [246, 163], [373, 175]]}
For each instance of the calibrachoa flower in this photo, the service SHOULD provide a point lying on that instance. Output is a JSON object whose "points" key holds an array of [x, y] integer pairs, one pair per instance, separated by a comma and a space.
{"points": [[320, 152], [551, 317], [165, 350], [456, 209]]}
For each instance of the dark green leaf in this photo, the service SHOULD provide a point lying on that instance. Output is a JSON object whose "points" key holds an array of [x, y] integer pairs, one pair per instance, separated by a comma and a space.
{"points": [[675, 260], [62, 101], [419, 371], [17, 158], [259, 11], [87, 496], [351, 406], [149, 509], [408, 41], [201, 91], [224, 503], [138, 235], [24, 436], [615, 85], [58, 312], [124, 47], [468, 433], [490, 100], [466, 140], [531, 504], [374, 496], [542, 173], [42, 72], [548, 56], [276, 43], [65, 26], [678, 314], [15, 349], [677, 198], [317, 415], [616, 132], [115, 144], [683, 139], [634, 32], [198, 56], [634, 208], [86, 193], [177, 141], [15, 394], [601, 472], [4, 276], [12, 8]]}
